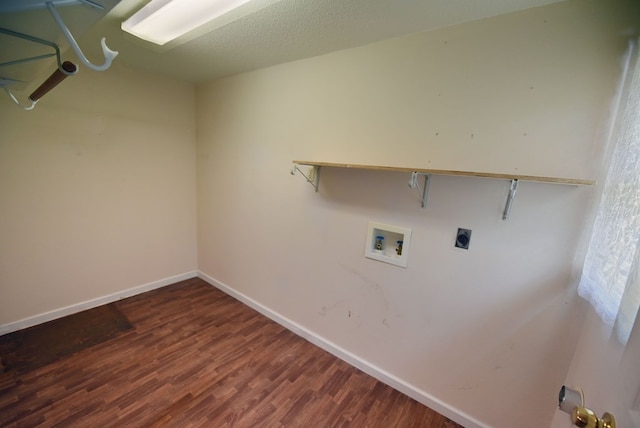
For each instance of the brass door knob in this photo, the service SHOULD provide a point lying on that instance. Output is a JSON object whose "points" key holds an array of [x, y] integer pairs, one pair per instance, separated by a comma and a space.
{"points": [[585, 418]]}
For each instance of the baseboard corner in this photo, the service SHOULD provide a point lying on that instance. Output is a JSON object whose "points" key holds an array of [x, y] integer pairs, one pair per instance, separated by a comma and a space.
{"points": [[92, 303]]}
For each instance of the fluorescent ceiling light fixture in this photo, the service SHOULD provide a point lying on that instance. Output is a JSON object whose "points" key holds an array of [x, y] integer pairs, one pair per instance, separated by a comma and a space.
{"points": [[161, 21]]}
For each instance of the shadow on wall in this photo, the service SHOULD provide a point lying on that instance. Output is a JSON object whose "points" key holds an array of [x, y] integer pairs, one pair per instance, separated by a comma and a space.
{"points": [[359, 190], [502, 348]]}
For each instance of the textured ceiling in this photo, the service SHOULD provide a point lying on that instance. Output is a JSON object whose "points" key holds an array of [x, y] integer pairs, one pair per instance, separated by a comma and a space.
{"points": [[269, 32]]}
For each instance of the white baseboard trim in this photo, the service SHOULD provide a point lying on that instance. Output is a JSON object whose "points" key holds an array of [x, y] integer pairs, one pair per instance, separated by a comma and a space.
{"points": [[383, 376], [89, 304]]}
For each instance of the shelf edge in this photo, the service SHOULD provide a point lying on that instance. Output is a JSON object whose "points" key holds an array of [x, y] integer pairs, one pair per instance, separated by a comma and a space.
{"points": [[541, 179]]}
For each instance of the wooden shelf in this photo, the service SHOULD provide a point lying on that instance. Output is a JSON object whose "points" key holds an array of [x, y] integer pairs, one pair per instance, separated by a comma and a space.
{"points": [[556, 180], [313, 177]]}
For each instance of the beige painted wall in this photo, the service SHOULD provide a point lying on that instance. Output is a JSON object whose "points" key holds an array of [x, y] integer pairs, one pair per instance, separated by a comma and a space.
{"points": [[97, 185], [489, 331]]}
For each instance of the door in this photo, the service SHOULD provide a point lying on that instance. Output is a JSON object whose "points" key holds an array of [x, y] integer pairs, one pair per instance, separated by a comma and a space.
{"points": [[607, 372]]}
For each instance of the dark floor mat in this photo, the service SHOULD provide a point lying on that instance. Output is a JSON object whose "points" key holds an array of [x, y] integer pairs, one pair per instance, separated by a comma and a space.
{"points": [[43, 344]]}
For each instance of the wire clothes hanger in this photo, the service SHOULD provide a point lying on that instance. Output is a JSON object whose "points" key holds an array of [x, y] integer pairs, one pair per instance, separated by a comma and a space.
{"points": [[65, 68]]}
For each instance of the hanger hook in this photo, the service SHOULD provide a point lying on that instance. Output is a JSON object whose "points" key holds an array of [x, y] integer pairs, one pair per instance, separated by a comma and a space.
{"points": [[109, 54], [15, 100]]}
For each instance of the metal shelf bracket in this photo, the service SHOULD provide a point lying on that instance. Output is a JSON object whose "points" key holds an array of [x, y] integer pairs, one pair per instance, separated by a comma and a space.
{"points": [[513, 188], [312, 177], [424, 192]]}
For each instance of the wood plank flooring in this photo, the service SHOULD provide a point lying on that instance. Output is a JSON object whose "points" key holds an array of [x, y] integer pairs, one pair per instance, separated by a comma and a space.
{"points": [[198, 358]]}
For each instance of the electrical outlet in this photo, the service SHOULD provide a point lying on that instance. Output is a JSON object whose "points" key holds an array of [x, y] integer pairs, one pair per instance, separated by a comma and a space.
{"points": [[463, 238], [311, 173]]}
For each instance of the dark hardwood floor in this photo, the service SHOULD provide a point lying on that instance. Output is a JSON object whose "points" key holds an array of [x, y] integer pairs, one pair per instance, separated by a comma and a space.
{"points": [[198, 358]]}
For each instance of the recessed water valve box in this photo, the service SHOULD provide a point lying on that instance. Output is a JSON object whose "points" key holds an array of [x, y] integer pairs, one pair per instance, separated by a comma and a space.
{"points": [[388, 244]]}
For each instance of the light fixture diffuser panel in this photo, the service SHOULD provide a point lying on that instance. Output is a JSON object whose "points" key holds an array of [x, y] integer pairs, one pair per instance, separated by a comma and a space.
{"points": [[161, 21]]}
